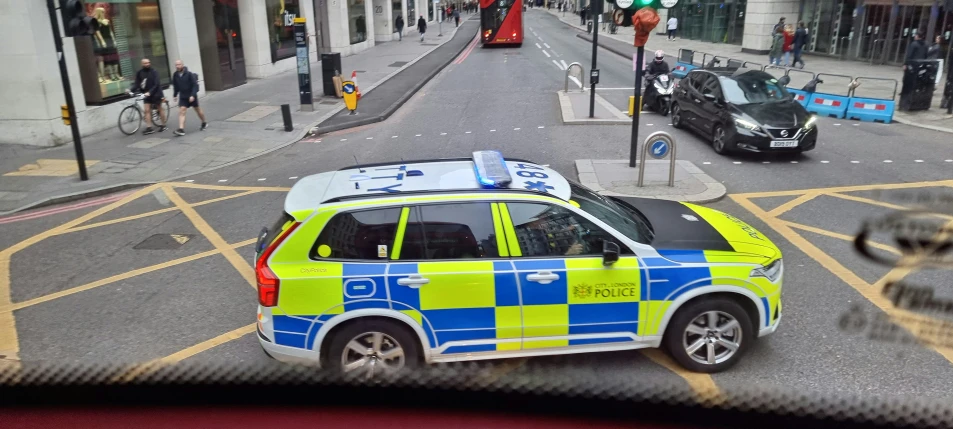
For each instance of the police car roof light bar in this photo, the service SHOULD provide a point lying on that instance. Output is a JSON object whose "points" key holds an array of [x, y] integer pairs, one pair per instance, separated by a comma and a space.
{"points": [[490, 168]]}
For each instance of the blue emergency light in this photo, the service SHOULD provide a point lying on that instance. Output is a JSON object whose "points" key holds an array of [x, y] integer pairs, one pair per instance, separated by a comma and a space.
{"points": [[491, 169]]}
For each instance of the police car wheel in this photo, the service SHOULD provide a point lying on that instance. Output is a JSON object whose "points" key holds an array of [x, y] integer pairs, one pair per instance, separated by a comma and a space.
{"points": [[372, 349], [709, 335]]}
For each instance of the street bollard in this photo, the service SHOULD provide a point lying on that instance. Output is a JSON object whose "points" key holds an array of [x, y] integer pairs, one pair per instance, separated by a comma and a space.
{"points": [[658, 145], [286, 115]]}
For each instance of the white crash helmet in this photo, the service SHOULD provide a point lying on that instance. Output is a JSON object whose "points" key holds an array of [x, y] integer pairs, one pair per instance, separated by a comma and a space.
{"points": [[659, 56]]}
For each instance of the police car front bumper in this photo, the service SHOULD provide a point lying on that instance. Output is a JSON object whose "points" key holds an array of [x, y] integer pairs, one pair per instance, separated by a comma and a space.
{"points": [[288, 354], [774, 324]]}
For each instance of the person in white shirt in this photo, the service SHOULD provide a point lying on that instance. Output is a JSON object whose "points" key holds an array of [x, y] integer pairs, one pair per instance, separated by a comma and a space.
{"points": [[672, 26]]}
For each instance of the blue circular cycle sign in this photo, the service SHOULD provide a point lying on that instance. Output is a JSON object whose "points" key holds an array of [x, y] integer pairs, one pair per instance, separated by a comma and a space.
{"points": [[348, 88], [659, 149]]}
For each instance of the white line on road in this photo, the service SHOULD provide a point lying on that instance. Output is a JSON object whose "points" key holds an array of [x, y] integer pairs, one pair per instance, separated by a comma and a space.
{"points": [[292, 177], [918, 160], [540, 127], [559, 66], [645, 124], [343, 140], [492, 131], [443, 134], [540, 47], [223, 181], [190, 181], [547, 45], [547, 54], [540, 38], [577, 82], [393, 137], [262, 179], [948, 160], [565, 66], [706, 163], [418, 135], [855, 162], [887, 161], [824, 162], [836, 125], [370, 138], [736, 162], [468, 132], [765, 162], [516, 129], [793, 162]]}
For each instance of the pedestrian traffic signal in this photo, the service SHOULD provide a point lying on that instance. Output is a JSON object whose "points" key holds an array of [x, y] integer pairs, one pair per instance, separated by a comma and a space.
{"points": [[75, 20]]}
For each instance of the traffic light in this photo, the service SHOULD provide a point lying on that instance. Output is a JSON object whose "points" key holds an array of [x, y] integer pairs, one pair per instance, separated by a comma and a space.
{"points": [[75, 20]]}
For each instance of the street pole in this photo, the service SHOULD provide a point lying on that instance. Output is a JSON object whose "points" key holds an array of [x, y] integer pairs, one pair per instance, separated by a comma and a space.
{"points": [[634, 144], [595, 13], [73, 124]]}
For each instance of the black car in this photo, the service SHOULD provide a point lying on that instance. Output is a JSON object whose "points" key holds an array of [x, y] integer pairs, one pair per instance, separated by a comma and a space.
{"points": [[742, 109]]}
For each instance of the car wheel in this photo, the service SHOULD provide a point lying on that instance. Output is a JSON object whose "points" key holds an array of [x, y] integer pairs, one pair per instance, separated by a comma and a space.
{"points": [[676, 115], [374, 348], [709, 335], [719, 140], [662, 107]]}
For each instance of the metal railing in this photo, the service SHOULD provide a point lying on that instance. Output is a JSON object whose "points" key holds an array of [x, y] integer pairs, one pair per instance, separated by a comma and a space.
{"points": [[579, 81]]}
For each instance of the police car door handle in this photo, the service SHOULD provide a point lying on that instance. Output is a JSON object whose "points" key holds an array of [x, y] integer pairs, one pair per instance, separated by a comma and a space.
{"points": [[413, 281], [543, 277]]}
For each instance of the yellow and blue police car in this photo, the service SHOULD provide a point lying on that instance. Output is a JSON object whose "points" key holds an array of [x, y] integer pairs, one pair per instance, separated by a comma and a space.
{"points": [[374, 268]]}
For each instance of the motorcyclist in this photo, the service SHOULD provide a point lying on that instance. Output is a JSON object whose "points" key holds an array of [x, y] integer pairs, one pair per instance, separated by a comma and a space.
{"points": [[657, 67]]}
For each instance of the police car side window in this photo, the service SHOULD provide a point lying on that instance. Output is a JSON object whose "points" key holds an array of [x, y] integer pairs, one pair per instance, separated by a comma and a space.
{"points": [[450, 231], [358, 235], [548, 230]]}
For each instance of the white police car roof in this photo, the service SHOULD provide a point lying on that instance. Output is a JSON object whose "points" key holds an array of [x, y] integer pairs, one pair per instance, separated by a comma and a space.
{"points": [[415, 177]]}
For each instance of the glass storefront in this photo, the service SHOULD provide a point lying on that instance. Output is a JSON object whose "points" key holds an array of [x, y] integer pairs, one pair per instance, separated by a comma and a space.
{"points": [[129, 31], [396, 10], [356, 21], [281, 14], [717, 21], [411, 14]]}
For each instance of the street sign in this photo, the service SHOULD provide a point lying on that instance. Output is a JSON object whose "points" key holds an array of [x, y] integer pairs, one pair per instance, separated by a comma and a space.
{"points": [[624, 4], [350, 95], [668, 4], [659, 149], [304, 64]]}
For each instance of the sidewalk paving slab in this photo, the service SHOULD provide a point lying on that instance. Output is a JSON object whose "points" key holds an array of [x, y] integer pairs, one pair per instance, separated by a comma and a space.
{"points": [[574, 106], [615, 178], [116, 161], [621, 44]]}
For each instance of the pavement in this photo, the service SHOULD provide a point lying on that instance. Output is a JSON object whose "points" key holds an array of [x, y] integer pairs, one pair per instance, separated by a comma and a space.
{"points": [[574, 107], [615, 178], [621, 44], [160, 277], [243, 123]]}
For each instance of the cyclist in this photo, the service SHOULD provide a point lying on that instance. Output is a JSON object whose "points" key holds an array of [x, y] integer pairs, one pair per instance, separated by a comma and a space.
{"points": [[147, 82]]}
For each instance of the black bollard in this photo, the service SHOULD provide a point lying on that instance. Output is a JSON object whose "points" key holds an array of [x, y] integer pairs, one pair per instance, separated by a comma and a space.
{"points": [[286, 115]]}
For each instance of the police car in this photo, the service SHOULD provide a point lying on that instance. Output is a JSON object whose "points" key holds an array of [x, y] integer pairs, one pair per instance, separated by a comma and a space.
{"points": [[378, 267]]}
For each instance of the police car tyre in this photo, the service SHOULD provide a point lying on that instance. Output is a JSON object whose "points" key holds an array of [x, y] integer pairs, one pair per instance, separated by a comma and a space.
{"points": [[372, 348], [676, 116], [709, 335]]}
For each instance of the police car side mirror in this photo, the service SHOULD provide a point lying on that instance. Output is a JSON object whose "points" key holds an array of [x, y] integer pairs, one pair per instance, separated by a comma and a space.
{"points": [[610, 253]]}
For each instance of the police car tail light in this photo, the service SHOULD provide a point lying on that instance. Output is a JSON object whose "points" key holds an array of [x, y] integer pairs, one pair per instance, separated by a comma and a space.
{"points": [[490, 168], [268, 282]]}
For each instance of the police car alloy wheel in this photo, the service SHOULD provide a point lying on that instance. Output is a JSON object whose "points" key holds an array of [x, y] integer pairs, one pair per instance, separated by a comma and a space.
{"points": [[372, 349], [709, 335]]}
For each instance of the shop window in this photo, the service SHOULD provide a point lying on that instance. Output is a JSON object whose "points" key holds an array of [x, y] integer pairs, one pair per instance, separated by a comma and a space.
{"points": [[281, 33], [129, 31], [356, 21]]}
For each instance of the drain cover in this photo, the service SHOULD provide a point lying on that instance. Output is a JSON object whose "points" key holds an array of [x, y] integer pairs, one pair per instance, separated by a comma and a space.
{"points": [[164, 242]]}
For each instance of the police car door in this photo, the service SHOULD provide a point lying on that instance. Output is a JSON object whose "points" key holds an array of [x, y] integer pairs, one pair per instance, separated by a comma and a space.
{"points": [[445, 269], [569, 298]]}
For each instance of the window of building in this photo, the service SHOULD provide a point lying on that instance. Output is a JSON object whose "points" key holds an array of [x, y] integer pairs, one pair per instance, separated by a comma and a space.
{"points": [[545, 230], [396, 10], [129, 31], [281, 33], [411, 13], [358, 235], [450, 231], [356, 21]]}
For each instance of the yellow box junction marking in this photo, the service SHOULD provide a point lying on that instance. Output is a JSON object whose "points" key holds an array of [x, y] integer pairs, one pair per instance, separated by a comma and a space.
{"points": [[50, 168]]}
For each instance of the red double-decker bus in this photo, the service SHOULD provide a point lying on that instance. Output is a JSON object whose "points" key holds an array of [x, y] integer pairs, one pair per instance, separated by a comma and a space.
{"points": [[501, 22]]}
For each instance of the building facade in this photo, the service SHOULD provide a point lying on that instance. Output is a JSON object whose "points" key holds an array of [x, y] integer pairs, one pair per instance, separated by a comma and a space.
{"points": [[226, 42]]}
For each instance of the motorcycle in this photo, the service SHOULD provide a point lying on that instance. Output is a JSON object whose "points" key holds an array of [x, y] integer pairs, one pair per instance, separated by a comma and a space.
{"points": [[658, 92]]}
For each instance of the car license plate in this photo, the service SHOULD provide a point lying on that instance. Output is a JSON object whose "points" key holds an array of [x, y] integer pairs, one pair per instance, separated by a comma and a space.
{"points": [[783, 143]]}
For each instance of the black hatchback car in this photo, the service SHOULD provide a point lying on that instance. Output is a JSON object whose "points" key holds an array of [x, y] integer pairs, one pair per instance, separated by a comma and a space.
{"points": [[742, 109]]}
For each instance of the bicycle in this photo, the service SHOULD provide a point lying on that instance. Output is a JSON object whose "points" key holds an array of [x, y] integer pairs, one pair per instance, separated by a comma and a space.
{"points": [[130, 118]]}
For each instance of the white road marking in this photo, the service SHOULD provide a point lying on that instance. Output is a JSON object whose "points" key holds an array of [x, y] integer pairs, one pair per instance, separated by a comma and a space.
{"points": [[292, 177], [836, 125], [577, 82], [492, 131], [343, 140], [370, 138], [670, 125], [393, 137], [706, 163], [223, 181], [418, 135], [262, 179], [856, 125], [545, 165], [540, 38], [918, 160], [855, 162], [516, 129], [547, 54], [793, 162], [645, 124], [443, 134], [559, 66], [887, 161], [824, 162], [540, 47], [948, 160], [468, 132], [736, 162], [540, 127], [189, 181], [546, 45], [765, 162], [565, 66]]}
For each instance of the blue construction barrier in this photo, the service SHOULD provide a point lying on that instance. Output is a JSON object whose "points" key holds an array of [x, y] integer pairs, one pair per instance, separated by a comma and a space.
{"points": [[832, 106], [684, 63], [800, 96], [872, 109]]}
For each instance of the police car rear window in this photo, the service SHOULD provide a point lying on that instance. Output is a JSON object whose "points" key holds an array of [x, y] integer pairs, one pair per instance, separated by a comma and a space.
{"points": [[366, 234]]}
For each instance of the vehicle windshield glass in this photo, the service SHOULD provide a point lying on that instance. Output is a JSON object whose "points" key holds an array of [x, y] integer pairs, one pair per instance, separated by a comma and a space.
{"points": [[627, 221], [752, 87]]}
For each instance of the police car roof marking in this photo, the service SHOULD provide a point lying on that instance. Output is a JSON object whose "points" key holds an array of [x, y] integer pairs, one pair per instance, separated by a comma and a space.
{"points": [[454, 175]]}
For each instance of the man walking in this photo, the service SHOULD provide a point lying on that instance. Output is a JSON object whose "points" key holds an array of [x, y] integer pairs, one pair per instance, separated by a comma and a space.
{"points": [[185, 86], [399, 25], [916, 51], [780, 24], [800, 40], [421, 27], [147, 82], [672, 26]]}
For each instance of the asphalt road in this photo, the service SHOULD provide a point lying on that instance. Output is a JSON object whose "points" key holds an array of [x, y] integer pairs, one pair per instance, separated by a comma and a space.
{"points": [[88, 294]]}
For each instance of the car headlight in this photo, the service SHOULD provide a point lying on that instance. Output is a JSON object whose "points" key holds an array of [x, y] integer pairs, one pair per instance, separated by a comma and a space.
{"points": [[810, 122], [771, 271], [741, 123]]}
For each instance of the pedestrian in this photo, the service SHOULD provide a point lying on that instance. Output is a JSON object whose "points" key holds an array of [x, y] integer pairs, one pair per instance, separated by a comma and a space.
{"points": [[777, 46], [788, 44], [933, 52], [456, 17], [185, 85], [780, 24], [399, 25], [800, 40], [672, 26], [421, 27], [916, 51], [147, 82]]}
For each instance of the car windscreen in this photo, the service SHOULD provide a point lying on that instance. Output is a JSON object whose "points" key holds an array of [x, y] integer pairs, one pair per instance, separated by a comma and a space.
{"points": [[628, 223], [750, 88]]}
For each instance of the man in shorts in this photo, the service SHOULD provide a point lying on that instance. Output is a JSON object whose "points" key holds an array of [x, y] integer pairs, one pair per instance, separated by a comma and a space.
{"points": [[147, 82], [185, 87]]}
